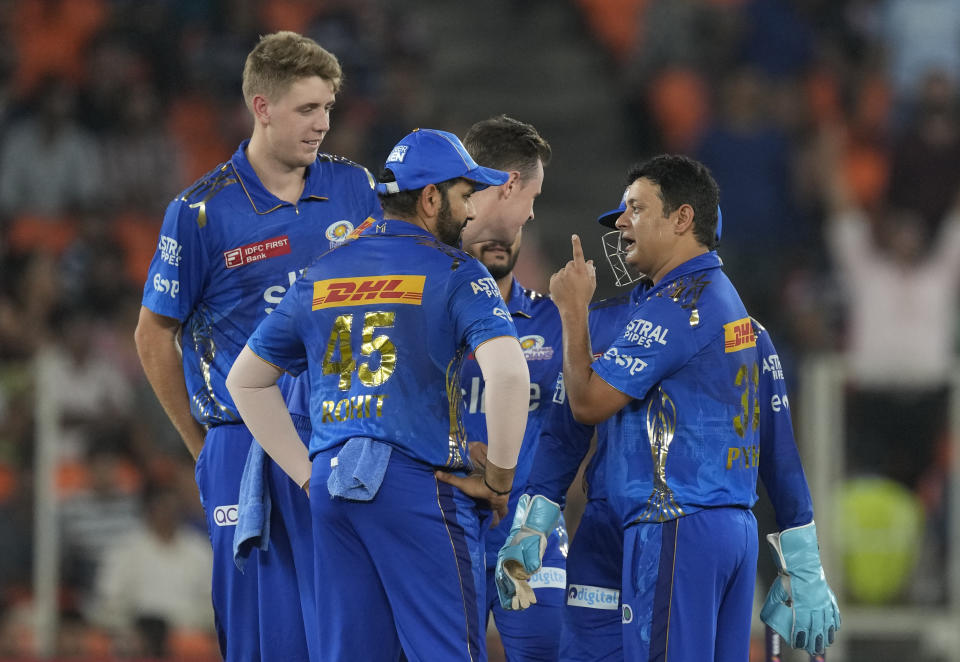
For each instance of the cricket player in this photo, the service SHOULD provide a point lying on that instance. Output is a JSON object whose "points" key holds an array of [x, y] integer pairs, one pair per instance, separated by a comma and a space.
{"points": [[382, 325], [230, 246], [534, 633], [517, 148], [681, 388]]}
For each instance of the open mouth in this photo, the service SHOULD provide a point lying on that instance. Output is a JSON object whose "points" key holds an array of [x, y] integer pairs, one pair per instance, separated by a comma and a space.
{"points": [[626, 242]]}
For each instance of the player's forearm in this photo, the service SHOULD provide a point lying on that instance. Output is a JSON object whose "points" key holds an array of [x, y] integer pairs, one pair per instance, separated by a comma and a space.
{"points": [[561, 448], [163, 366], [507, 399], [577, 373], [252, 383]]}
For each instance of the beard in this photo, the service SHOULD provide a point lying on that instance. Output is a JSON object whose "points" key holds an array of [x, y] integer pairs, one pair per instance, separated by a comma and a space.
{"points": [[499, 269], [448, 231]]}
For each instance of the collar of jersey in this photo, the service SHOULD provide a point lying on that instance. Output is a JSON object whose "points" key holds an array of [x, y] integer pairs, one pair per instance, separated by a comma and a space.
{"points": [[519, 304], [396, 226], [700, 263], [264, 201]]}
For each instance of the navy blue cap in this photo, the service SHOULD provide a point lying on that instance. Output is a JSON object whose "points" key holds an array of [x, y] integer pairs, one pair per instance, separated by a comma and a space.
{"points": [[429, 156], [610, 218]]}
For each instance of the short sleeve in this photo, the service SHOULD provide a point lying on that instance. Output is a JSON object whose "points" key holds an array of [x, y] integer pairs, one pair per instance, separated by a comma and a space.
{"points": [[654, 344], [278, 339], [476, 307], [175, 280]]}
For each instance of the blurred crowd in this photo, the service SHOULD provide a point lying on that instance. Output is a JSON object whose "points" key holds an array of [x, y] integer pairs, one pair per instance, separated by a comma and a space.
{"points": [[831, 127]]}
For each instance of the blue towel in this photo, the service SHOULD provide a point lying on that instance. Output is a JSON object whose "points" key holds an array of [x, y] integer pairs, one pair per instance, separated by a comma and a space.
{"points": [[253, 519], [358, 469]]}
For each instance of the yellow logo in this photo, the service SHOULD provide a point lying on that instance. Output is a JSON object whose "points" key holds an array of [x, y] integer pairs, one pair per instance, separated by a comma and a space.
{"points": [[738, 335], [336, 292]]}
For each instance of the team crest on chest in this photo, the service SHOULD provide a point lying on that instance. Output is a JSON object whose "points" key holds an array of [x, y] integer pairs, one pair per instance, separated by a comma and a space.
{"points": [[534, 350], [339, 232]]}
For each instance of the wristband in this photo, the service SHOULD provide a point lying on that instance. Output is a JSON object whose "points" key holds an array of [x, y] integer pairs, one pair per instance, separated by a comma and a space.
{"points": [[497, 492]]}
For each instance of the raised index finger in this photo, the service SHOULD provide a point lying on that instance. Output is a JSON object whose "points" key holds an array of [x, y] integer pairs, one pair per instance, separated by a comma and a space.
{"points": [[577, 248]]}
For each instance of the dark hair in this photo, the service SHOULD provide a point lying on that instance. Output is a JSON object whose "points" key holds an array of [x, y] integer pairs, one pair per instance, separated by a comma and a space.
{"points": [[507, 144], [683, 180], [404, 203]]}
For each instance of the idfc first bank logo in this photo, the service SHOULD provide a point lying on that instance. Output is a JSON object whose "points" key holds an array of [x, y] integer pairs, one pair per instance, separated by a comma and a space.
{"points": [[226, 515]]}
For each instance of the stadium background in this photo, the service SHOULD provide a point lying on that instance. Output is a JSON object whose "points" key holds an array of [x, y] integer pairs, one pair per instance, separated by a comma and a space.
{"points": [[110, 107]]}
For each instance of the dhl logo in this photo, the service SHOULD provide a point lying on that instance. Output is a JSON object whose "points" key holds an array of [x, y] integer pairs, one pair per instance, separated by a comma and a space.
{"points": [[360, 229], [368, 289], [738, 335]]}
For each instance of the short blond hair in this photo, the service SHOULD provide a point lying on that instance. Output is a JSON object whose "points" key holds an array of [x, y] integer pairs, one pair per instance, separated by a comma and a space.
{"points": [[280, 59]]}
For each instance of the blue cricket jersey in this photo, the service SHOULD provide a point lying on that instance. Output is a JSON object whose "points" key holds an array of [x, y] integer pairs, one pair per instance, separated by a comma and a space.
{"points": [[228, 251], [384, 323], [538, 327], [689, 438]]}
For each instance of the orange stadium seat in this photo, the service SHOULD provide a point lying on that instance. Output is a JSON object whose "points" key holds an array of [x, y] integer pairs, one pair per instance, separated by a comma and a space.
{"points": [[51, 36], [30, 233], [615, 23], [193, 645], [136, 233], [678, 101], [293, 15], [195, 125]]}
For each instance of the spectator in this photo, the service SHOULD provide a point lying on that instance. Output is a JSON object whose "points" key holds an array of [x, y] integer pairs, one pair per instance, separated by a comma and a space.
{"points": [[925, 173], [156, 579], [902, 324]]}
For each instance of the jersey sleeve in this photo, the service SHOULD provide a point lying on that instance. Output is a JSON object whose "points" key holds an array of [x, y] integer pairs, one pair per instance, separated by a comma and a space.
{"points": [[655, 342], [175, 280], [278, 339], [561, 448], [780, 466], [476, 307]]}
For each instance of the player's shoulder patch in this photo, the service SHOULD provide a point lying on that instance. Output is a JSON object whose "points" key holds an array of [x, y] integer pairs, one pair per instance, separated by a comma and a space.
{"points": [[209, 184], [758, 328]]}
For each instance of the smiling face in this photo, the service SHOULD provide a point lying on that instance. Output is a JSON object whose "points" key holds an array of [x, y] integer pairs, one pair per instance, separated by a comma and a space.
{"points": [[296, 122], [646, 233]]}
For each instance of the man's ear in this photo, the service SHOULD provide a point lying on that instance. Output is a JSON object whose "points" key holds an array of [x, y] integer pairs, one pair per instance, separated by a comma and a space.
{"points": [[261, 109], [511, 185], [684, 219], [430, 200]]}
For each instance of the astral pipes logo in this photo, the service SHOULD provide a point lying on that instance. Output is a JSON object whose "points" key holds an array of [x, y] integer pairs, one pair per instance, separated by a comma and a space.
{"points": [[593, 597], [226, 515]]}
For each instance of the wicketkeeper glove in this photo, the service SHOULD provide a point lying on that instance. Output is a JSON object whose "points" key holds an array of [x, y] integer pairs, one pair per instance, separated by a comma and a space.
{"points": [[523, 550], [800, 605]]}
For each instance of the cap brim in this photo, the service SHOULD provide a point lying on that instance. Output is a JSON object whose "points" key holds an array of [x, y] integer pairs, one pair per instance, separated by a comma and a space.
{"points": [[484, 177], [609, 218]]}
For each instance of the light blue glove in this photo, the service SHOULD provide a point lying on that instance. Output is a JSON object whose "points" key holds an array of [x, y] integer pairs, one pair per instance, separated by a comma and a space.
{"points": [[800, 605], [523, 550]]}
